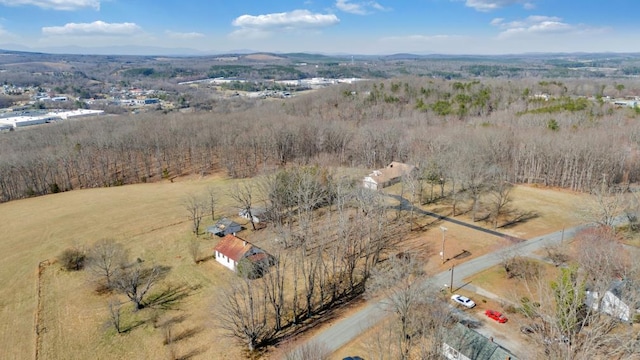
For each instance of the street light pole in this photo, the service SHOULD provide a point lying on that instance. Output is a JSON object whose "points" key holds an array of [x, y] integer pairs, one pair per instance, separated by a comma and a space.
{"points": [[444, 230]]}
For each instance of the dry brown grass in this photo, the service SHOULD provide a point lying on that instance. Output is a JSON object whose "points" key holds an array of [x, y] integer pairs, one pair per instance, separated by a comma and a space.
{"points": [[495, 280], [152, 223]]}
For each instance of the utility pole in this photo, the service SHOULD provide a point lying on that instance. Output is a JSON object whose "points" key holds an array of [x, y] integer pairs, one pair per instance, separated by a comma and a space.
{"points": [[444, 230], [451, 282]]}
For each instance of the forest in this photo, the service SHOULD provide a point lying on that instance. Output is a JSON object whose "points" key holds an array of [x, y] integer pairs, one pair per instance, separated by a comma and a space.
{"points": [[456, 132]]}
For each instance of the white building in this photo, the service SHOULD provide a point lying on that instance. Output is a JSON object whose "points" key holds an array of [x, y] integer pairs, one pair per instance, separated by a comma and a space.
{"points": [[611, 303], [231, 249], [387, 176]]}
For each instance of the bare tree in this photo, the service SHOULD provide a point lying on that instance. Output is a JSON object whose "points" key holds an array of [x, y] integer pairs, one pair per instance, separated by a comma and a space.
{"points": [[500, 198], [114, 314], [194, 250], [403, 286], [106, 259], [196, 209], [413, 184], [606, 205], [212, 201], [274, 285], [600, 254], [136, 281], [241, 312], [243, 196]]}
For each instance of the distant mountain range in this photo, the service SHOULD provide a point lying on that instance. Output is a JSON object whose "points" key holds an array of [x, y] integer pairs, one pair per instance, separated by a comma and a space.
{"points": [[178, 52]]}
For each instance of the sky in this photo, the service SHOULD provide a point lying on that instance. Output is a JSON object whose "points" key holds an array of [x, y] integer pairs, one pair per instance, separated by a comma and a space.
{"points": [[365, 27]]}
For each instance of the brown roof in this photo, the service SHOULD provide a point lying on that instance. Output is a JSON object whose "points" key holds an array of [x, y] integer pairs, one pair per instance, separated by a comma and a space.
{"points": [[233, 247], [392, 171], [257, 257]]}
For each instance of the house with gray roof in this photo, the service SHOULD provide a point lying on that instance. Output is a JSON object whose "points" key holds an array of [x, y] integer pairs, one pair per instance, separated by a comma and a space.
{"points": [[463, 343], [224, 227]]}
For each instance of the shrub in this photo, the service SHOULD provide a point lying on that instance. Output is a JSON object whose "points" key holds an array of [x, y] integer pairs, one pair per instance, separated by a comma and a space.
{"points": [[72, 259], [521, 268]]}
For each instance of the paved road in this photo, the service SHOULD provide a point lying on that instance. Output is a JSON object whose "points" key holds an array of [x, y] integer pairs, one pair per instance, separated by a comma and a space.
{"points": [[347, 329]]}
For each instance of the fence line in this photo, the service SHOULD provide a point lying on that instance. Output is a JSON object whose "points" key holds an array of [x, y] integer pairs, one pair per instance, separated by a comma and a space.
{"points": [[39, 328]]}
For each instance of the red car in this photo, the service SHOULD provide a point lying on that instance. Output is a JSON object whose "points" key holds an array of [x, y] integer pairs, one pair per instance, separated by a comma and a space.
{"points": [[497, 316]]}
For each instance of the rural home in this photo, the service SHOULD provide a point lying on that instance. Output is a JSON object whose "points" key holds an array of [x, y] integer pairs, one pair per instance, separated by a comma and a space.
{"points": [[612, 303], [388, 176], [232, 249], [463, 343], [224, 227], [256, 213]]}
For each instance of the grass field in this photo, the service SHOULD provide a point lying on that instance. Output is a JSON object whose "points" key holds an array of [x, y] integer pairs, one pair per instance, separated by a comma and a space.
{"points": [[151, 221]]}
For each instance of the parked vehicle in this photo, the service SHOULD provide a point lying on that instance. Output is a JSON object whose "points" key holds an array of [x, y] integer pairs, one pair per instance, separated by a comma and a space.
{"points": [[463, 300], [496, 315]]}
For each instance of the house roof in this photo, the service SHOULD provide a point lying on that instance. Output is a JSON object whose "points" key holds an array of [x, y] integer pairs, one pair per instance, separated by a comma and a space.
{"points": [[392, 171], [233, 247], [224, 226], [257, 257], [475, 346]]}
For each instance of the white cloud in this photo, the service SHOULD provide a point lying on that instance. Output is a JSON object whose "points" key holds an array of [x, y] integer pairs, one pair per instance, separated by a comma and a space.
{"points": [[489, 5], [94, 28], [55, 4], [183, 35], [540, 25], [263, 25], [6, 35], [360, 8]]}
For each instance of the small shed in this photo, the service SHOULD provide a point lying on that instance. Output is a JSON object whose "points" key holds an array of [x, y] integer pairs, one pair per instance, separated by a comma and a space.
{"points": [[223, 227]]}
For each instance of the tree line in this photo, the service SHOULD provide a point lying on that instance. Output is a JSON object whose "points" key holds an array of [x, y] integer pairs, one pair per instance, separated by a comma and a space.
{"points": [[485, 125]]}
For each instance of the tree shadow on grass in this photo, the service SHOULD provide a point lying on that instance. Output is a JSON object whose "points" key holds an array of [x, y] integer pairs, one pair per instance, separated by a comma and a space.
{"points": [[172, 321], [204, 259], [186, 334], [519, 217], [461, 255], [169, 298], [132, 326], [191, 353]]}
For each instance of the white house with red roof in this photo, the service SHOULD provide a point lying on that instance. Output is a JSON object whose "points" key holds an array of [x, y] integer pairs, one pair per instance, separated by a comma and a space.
{"points": [[231, 249]]}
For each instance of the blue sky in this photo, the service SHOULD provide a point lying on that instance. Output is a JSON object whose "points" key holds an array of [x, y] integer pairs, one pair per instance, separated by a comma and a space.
{"points": [[326, 26]]}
